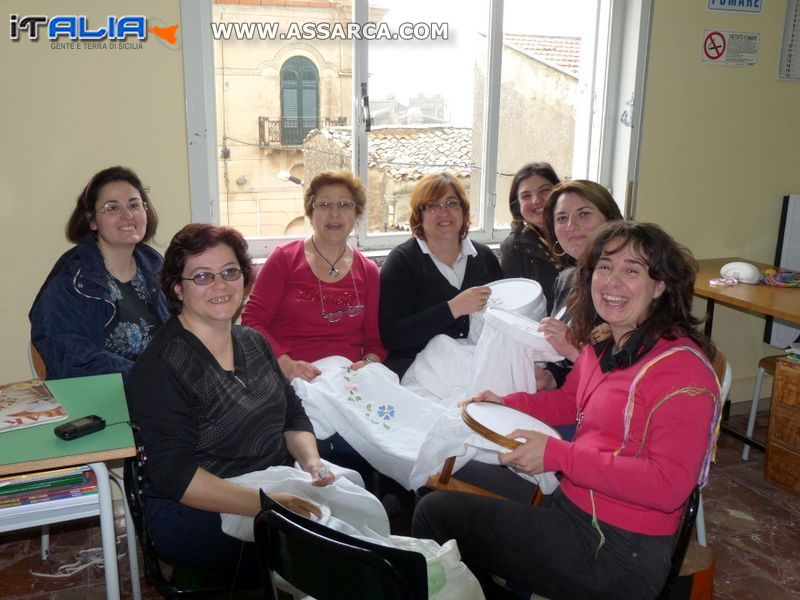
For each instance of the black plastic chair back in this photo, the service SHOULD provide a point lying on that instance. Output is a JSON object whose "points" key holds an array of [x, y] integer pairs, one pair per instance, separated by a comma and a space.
{"points": [[682, 540], [330, 565], [135, 484]]}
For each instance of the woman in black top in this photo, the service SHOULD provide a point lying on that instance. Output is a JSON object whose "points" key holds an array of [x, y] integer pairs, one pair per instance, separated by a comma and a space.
{"points": [[211, 403], [525, 252], [431, 283]]}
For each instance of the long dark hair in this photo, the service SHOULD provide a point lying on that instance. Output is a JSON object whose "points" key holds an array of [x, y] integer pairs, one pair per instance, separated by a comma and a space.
{"points": [[670, 315], [542, 169]]}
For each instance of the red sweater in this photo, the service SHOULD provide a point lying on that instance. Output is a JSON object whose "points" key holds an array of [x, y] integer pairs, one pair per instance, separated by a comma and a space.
{"points": [[640, 484], [285, 307]]}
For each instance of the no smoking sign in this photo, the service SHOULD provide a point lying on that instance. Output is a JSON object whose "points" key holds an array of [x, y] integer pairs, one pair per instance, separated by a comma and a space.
{"points": [[732, 48]]}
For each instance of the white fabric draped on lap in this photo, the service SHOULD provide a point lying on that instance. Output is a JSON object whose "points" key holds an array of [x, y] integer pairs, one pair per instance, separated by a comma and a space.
{"points": [[406, 431]]}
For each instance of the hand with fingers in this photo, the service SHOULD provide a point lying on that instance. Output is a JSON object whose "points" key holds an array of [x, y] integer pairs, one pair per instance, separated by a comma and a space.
{"points": [[297, 504], [544, 379], [321, 474], [484, 396], [297, 368], [470, 301], [557, 333], [528, 456]]}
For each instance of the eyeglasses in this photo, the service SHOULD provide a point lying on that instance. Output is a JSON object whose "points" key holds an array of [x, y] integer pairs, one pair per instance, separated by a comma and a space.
{"points": [[114, 209], [206, 277], [337, 315], [326, 205], [441, 206]]}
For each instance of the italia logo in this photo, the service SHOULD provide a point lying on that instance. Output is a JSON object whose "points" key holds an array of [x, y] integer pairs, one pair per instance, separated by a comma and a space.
{"points": [[78, 28]]}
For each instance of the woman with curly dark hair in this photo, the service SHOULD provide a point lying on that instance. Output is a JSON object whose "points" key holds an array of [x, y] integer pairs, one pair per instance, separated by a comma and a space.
{"points": [[646, 402]]}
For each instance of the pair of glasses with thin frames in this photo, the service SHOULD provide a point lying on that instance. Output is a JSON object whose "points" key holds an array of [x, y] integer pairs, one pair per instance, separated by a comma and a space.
{"points": [[207, 277], [337, 315], [115, 209]]}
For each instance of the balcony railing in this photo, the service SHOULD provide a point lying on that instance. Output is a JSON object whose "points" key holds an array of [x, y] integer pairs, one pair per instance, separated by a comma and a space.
{"points": [[291, 131]]}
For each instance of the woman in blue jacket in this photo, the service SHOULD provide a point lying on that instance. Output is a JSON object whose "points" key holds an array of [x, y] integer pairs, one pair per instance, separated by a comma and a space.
{"points": [[101, 303]]}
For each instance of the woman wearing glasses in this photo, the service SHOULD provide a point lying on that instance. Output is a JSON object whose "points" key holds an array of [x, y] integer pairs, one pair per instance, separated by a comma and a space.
{"points": [[211, 403], [101, 303], [318, 297], [431, 283]]}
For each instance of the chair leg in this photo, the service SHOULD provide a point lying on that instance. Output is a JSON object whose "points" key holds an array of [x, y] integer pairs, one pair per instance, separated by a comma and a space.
{"points": [[130, 531], [700, 523], [751, 422], [45, 542]]}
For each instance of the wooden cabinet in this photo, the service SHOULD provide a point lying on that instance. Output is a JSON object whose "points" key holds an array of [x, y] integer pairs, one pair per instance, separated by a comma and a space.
{"points": [[782, 465]]}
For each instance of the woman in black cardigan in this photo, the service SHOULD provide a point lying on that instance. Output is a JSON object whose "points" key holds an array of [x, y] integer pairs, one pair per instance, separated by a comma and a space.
{"points": [[431, 283]]}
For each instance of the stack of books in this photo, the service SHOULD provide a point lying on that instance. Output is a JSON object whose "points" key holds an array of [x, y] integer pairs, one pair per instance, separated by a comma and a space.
{"points": [[43, 486]]}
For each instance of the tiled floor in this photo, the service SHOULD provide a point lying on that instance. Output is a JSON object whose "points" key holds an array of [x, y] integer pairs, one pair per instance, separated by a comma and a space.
{"points": [[753, 529]]}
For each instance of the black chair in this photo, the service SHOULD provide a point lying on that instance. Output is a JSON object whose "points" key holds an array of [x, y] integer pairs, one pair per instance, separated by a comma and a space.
{"points": [[184, 581], [330, 565], [682, 540]]}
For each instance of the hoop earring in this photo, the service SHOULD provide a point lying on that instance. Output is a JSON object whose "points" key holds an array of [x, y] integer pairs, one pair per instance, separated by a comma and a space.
{"points": [[559, 254]]}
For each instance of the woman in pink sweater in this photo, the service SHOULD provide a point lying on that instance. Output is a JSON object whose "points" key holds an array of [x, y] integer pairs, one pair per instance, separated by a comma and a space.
{"points": [[646, 402]]}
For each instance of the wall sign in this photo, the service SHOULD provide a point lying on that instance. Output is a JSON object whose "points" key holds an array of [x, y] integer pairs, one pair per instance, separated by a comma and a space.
{"points": [[731, 48], [744, 6]]}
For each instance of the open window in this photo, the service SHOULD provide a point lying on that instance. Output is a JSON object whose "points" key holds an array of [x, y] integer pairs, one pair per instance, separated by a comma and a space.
{"points": [[479, 91]]}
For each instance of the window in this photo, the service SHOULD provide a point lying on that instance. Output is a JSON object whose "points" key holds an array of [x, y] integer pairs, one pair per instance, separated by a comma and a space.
{"points": [[515, 81], [299, 100]]}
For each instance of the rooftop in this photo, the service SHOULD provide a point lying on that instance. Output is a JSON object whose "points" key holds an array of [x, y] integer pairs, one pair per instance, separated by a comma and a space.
{"points": [[561, 52], [408, 153]]}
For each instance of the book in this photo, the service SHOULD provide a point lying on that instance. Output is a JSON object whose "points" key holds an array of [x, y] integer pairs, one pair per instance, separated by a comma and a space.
{"points": [[28, 403], [25, 482], [87, 485]]}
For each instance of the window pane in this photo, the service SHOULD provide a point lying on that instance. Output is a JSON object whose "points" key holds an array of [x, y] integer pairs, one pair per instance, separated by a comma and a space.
{"points": [[424, 106], [540, 88], [271, 94]]}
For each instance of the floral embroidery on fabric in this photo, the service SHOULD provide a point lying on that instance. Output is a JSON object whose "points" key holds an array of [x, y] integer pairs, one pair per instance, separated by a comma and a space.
{"points": [[138, 282], [113, 289], [379, 416], [140, 285], [129, 339]]}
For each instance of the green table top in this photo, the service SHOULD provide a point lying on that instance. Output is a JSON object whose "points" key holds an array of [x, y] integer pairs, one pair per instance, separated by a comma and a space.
{"points": [[36, 448]]}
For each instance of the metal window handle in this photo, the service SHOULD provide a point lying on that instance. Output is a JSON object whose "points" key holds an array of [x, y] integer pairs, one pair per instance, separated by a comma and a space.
{"points": [[365, 108]]}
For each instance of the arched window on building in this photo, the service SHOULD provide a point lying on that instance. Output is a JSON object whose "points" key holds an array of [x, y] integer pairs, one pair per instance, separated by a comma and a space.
{"points": [[299, 100]]}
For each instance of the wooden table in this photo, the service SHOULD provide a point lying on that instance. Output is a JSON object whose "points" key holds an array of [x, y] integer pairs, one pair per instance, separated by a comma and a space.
{"points": [[37, 448], [779, 302]]}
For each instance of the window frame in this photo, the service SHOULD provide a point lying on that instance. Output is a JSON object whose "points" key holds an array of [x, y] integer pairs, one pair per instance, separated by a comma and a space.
{"points": [[619, 70]]}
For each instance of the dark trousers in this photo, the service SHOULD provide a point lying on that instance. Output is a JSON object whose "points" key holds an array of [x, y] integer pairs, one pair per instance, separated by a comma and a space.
{"points": [[194, 538], [550, 550]]}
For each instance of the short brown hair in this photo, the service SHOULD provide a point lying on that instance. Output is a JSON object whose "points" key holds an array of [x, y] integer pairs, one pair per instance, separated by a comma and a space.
{"points": [[84, 211], [429, 189], [194, 239], [345, 178], [592, 191]]}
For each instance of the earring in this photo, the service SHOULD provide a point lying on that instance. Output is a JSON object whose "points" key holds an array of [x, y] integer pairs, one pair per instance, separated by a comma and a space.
{"points": [[559, 254]]}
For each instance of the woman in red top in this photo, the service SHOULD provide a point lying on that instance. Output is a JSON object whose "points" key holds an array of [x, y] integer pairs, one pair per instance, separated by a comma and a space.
{"points": [[646, 402], [318, 297]]}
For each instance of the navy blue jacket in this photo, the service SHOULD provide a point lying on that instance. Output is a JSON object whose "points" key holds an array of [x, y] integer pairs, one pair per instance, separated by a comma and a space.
{"points": [[73, 307]]}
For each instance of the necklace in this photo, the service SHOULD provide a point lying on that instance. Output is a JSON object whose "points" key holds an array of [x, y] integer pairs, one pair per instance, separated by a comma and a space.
{"points": [[334, 271], [131, 266]]}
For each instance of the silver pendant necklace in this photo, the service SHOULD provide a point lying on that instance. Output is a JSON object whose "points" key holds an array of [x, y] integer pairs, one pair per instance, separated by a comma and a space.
{"points": [[334, 271]]}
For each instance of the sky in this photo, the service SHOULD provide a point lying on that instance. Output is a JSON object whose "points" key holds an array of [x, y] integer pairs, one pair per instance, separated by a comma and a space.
{"points": [[406, 68]]}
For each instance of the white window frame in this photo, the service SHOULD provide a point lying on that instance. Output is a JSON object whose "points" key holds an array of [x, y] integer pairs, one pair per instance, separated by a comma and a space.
{"points": [[610, 155]]}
